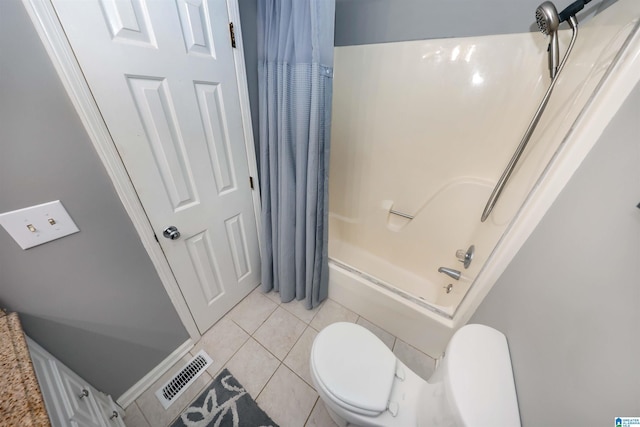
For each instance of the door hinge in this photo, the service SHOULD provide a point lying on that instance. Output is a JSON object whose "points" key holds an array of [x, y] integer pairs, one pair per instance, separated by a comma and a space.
{"points": [[251, 182], [233, 35]]}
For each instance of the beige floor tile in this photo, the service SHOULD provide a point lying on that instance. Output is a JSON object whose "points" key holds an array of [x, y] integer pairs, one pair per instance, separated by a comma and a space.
{"points": [[133, 417], [287, 399], [384, 336], [280, 332], [298, 358], [253, 365], [416, 360], [298, 309], [272, 295], [151, 407], [221, 342], [320, 417], [252, 311], [332, 312]]}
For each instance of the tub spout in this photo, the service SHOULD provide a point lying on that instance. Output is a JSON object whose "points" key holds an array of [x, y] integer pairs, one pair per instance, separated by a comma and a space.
{"points": [[454, 274]]}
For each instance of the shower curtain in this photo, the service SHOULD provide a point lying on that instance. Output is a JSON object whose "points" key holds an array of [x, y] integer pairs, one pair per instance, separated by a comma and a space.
{"points": [[295, 71]]}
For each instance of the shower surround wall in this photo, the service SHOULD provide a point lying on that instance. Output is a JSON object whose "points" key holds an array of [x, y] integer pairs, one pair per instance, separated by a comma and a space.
{"points": [[423, 128], [426, 128]]}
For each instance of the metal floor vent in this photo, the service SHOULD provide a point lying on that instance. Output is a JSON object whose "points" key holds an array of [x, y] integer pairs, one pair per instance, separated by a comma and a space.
{"points": [[173, 388]]}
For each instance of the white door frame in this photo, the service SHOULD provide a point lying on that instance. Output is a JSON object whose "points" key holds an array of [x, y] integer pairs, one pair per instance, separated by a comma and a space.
{"points": [[44, 18]]}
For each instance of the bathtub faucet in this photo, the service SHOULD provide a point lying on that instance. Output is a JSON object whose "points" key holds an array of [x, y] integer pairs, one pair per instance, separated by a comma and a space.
{"points": [[454, 274]]}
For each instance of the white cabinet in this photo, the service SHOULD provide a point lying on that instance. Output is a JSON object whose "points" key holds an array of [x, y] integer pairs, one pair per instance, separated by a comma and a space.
{"points": [[69, 399]]}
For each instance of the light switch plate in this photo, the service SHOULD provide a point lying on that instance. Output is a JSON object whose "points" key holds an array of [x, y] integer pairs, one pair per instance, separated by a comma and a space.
{"points": [[39, 224]]}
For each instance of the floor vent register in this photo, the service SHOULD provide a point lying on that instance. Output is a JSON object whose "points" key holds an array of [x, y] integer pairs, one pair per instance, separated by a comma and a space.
{"points": [[176, 385]]}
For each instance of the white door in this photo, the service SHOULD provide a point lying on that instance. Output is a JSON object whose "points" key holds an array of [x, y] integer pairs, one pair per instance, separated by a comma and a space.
{"points": [[163, 75]]}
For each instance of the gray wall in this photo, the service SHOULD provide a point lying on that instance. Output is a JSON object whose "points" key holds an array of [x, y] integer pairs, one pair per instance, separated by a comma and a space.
{"points": [[380, 21], [569, 300], [92, 299]]}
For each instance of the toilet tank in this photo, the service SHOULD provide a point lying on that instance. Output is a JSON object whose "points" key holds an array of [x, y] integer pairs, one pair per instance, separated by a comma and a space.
{"points": [[473, 385]]}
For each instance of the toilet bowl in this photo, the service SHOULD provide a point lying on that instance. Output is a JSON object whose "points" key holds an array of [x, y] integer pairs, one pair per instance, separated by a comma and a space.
{"points": [[362, 383]]}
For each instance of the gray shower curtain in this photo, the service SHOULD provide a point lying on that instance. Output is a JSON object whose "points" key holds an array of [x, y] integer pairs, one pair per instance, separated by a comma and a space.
{"points": [[295, 71]]}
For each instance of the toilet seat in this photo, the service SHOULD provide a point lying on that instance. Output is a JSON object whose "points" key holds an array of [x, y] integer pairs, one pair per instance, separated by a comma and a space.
{"points": [[354, 368]]}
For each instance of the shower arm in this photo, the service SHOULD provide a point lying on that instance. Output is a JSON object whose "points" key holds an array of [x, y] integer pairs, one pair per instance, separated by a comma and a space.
{"points": [[495, 194]]}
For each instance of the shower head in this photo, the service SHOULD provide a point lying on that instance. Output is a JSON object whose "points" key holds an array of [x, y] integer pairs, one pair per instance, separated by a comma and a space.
{"points": [[548, 22], [547, 18]]}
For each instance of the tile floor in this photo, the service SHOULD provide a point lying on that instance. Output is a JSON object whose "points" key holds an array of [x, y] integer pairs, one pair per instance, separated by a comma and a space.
{"points": [[266, 344]]}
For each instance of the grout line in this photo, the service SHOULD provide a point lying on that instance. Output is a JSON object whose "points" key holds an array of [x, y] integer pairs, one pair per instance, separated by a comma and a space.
{"points": [[377, 326], [285, 305], [296, 342], [383, 330], [336, 302], [268, 351], [282, 364], [229, 314], [259, 326], [268, 381], [224, 365], [311, 412], [144, 417], [278, 302], [301, 379]]}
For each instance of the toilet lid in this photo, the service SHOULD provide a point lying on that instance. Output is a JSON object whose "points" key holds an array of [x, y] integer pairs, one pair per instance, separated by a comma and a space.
{"points": [[480, 379], [354, 366]]}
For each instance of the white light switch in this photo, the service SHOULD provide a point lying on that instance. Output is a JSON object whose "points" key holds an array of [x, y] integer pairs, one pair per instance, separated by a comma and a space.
{"points": [[39, 224]]}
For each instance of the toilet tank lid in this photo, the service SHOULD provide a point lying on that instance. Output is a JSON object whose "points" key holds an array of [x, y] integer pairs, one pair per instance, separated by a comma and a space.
{"points": [[480, 377], [354, 365]]}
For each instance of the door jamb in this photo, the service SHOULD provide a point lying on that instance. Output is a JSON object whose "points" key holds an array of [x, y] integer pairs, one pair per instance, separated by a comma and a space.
{"points": [[243, 92], [46, 23]]}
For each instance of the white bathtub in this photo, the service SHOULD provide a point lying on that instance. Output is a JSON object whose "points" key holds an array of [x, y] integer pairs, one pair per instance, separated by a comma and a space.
{"points": [[426, 128]]}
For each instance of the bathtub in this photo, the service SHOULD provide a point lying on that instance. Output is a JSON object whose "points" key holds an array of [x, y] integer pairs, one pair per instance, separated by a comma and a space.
{"points": [[425, 129]]}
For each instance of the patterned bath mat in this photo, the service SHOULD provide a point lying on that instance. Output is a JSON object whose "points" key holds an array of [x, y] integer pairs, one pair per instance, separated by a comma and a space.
{"points": [[225, 403]]}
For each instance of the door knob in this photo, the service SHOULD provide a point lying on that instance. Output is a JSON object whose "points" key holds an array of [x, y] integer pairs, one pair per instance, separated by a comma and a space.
{"points": [[171, 232]]}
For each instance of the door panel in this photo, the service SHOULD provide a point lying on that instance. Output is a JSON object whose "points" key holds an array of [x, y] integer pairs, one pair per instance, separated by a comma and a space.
{"points": [[169, 152], [238, 245], [195, 28], [128, 21], [163, 76], [211, 114]]}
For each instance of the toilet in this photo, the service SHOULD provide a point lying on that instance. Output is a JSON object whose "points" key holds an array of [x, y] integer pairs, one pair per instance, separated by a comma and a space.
{"points": [[362, 383]]}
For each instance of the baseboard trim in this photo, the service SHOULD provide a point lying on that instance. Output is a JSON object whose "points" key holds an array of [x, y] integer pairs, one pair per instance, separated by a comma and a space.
{"points": [[129, 396]]}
